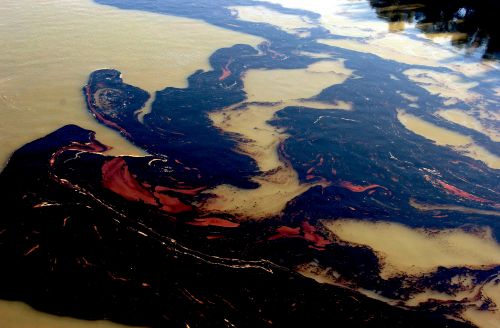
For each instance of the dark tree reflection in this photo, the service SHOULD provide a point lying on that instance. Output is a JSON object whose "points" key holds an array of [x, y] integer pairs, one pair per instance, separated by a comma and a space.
{"points": [[474, 20]]}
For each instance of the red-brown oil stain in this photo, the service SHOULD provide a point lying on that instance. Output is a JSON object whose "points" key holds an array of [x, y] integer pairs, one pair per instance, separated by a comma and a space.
{"points": [[213, 237], [311, 234], [189, 192], [117, 277], [457, 191], [306, 231], [31, 250], [84, 262], [312, 169], [357, 188], [172, 204], [213, 221], [286, 232], [117, 178], [226, 72]]}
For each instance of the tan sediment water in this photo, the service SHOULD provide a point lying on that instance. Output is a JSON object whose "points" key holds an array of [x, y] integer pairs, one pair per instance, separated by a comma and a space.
{"points": [[462, 118], [273, 90], [320, 274], [440, 136], [446, 85], [290, 23], [287, 84], [471, 296], [407, 50], [446, 36], [324, 275], [20, 315], [449, 207], [403, 250], [393, 47], [468, 292], [315, 55], [486, 319], [49, 47], [408, 96], [444, 137]]}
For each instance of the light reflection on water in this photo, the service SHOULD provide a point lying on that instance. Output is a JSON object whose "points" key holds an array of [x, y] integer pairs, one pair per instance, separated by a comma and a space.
{"points": [[470, 25], [357, 19]]}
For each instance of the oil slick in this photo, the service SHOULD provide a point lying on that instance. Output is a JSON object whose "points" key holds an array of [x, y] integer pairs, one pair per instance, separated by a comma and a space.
{"points": [[444, 137], [46, 64], [260, 116], [269, 91]]}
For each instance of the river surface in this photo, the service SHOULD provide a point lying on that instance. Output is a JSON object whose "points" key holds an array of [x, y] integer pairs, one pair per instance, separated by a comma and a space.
{"points": [[254, 163]]}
